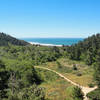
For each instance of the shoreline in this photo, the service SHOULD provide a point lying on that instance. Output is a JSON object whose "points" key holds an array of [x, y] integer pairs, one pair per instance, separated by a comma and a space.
{"points": [[41, 44]]}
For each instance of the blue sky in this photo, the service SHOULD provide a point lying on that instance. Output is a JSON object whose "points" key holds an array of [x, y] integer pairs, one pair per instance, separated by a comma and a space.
{"points": [[50, 18]]}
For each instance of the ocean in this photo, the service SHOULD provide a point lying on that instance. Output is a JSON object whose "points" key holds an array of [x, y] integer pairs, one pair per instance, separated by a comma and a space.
{"points": [[53, 41]]}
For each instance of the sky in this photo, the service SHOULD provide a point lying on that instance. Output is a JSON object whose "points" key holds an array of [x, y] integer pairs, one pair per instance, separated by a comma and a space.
{"points": [[50, 18]]}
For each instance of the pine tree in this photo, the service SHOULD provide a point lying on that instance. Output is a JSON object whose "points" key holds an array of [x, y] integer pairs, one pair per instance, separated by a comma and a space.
{"points": [[3, 80], [97, 70]]}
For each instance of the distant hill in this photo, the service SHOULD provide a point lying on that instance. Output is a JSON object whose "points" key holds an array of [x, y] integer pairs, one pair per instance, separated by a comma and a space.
{"points": [[6, 39], [86, 50]]}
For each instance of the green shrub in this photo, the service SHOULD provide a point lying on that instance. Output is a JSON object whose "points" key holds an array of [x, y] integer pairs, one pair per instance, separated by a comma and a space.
{"points": [[79, 74], [74, 67], [77, 93], [91, 85], [94, 95], [74, 93]]}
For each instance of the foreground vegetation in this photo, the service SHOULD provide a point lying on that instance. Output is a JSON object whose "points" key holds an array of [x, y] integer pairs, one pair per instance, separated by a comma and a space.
{"points": [[19, 80], [89, 52], [78, 72], [22, 81]]}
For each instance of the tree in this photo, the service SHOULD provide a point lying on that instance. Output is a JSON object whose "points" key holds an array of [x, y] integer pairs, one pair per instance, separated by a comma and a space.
{"points": [[97, 70], [59, 65], [32, 93], [14, 86], [85, 50], [4, 75], [77, 93], [89, 58], [6, 39]]}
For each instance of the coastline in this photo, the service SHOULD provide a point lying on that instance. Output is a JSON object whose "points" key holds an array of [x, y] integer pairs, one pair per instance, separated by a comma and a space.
{"points": [[41, 44]]}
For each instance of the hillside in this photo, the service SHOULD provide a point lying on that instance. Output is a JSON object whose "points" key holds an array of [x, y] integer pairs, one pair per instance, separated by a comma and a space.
{"points": [[86, 50], [23, 71], [21, 80], [6, 39]]}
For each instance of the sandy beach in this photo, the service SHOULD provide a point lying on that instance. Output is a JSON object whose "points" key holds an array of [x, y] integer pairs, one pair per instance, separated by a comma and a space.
{"points": [[36, 43]]}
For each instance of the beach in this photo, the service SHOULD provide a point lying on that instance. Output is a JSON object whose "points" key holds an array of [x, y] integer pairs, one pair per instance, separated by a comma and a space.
{"points": [[36, 43]]}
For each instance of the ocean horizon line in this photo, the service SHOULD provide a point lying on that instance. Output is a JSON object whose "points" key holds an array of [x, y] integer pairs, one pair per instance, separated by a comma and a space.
{"points": [[53, 37], [53, 41]]}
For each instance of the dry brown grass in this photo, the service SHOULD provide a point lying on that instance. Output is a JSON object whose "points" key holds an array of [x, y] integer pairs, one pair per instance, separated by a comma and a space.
{"points": [[56, 90], [83, 80], [87, 71], [60, 89]]}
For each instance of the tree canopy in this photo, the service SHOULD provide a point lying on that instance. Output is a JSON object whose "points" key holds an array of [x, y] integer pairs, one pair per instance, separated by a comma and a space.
{"points": [[6, 39]]}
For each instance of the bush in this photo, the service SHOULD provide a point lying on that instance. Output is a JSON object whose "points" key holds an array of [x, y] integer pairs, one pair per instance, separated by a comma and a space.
{"points": [[59, 65], [91, 85], [94, 95], [77, 93], [74, 67], [79, 74]]}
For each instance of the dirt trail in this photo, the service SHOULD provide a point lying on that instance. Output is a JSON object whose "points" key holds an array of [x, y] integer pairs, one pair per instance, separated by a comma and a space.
{"points": [[85, 90]]}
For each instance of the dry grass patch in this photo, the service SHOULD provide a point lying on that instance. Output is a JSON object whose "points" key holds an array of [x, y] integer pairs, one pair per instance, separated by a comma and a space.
{"points": [[83, 80], [55, 86], [83, 75], [56, 90]]}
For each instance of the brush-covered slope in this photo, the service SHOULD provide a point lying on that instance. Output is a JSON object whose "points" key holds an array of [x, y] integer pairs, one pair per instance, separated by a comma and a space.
{"points": [[6, 39], [86, 50]]}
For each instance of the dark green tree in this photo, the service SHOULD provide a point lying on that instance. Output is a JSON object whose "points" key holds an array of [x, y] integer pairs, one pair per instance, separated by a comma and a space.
{"points": [[97, 70], [77, 94], [4, 75]]}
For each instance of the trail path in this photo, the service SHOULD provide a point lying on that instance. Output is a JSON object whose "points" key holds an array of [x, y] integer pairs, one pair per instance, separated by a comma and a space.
{"points": [[85, 90]]}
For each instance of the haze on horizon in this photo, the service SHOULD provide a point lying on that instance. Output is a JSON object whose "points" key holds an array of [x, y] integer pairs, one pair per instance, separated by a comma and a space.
{"points": [[50, 18]]}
